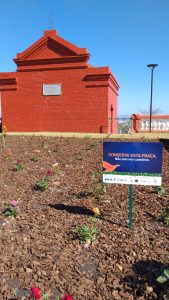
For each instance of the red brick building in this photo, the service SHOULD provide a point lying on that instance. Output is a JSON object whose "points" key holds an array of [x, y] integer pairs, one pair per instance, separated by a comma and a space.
{"points": [[55, 89]]}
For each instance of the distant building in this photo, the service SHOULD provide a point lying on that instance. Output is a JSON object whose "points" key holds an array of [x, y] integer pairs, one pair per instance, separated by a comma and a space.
{"points": [[55, 89]]}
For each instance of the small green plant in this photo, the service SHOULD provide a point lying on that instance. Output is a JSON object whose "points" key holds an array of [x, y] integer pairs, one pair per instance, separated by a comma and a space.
{"points": [[160, 190], [11, 210], [43, 144], [42, 184], [35, 294], [19, 166], [56, 169], [164, 277], [87, 136], [4, 135], [86, 233], [95, 219], [35, 158], [164, 216], [94, 144], [99, 188], [78, 157]]}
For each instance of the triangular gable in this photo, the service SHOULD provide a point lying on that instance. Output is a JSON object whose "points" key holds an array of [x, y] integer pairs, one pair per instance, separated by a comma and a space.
{"points": [[51, 47]]}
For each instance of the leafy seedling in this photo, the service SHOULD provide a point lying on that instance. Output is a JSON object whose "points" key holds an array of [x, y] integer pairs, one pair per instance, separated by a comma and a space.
{"points": [[86, 233], [42, 184], [164, 216], [164, 277], [10, 211], [99, 188], [160, 190], [78, 157], [19, 166]]}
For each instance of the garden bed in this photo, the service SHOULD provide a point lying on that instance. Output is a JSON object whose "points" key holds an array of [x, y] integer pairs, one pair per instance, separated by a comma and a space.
{"points": [[40, 247]]}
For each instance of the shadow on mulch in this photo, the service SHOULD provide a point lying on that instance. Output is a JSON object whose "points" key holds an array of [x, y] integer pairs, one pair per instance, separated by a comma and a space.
{"points": [[146, 273], [165, 143], [80, 210], [83, 195], [151, 216]]}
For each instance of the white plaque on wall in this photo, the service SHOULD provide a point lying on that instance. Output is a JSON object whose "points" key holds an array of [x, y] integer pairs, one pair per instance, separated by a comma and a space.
{"points": [[51, 89]]}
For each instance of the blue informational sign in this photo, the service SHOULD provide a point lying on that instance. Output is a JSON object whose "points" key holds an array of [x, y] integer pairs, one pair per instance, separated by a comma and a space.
{"points": [[132, 163]]}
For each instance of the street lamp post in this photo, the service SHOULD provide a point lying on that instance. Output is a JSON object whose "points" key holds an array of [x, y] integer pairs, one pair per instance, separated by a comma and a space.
{"points": [[151, 66]]}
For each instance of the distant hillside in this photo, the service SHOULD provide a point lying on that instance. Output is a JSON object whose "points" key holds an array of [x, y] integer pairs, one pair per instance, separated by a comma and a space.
{"points": [[124, 117]]}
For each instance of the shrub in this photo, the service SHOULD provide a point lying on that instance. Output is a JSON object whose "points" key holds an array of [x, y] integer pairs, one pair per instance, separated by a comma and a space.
{"points": [[19, 166], [86, 233], [160, 190], [164, 216], [99, 188], [42, 184], [11, 210]]}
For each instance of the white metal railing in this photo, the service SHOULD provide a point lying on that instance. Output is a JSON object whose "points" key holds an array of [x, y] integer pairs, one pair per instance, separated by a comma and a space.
{"points": [[156, 125]]}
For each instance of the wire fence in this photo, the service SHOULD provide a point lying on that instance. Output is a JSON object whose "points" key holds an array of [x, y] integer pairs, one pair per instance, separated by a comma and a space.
{"points": [[124, 125]]}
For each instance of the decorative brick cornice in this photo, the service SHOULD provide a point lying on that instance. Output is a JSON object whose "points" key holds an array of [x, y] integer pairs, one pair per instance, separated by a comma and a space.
{"points": [[101, 77], [8, 84], [52, 61]]}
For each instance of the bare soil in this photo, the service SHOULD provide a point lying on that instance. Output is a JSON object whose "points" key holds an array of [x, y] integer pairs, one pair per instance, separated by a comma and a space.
{"points": [[39, 246]]}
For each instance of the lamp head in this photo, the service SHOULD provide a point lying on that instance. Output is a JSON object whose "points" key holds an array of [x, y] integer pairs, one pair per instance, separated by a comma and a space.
{"points": [[152, 66]]}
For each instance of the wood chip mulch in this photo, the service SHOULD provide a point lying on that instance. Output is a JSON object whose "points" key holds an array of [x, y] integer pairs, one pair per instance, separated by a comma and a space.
{"points": [[39, 247]]}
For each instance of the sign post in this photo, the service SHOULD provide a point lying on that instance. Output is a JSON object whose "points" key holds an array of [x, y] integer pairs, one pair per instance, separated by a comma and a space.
{"points": [[130, 206], [138, 163]]}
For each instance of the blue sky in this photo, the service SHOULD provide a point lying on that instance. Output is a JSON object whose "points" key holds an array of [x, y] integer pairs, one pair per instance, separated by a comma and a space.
{"points": [[125, 35]]}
